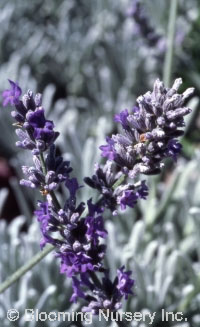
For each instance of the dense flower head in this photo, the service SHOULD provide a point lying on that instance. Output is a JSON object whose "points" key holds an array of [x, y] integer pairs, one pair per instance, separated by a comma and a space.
{"points": [[83, 250], [57, 171], [48, 224], [123, 195], [106, 295], [78, 246], [129, 194], [38, 132], [42, 128], [150, 131]]}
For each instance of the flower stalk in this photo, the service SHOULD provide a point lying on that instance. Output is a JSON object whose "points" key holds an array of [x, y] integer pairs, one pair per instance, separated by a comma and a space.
{"points": [[168, 63], [25, 268]]}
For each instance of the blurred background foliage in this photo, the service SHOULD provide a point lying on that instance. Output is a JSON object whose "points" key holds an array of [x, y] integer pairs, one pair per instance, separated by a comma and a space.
{"points": [[91, 59]]}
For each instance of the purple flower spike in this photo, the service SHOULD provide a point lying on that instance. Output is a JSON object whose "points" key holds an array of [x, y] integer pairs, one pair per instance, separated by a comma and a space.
{"points": [[109, 294], [12, 96], [143, 26], [150, 131], [123, 195]]}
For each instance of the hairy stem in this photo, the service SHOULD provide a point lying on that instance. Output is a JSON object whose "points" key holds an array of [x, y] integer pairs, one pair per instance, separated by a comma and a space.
{"points": [[43, 163], [168, 64], [21, 271], [55, 200], [119, 181]]}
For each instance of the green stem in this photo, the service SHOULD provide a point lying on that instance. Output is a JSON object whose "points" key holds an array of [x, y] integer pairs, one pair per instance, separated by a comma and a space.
{"points": [[55, 200], [119, 182], [95, 279], [21, 271], [43, 163], [170, 43]]}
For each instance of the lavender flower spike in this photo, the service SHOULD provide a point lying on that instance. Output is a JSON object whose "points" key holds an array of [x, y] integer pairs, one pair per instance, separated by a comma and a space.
{"points": [[39, 132], [78, 239], [143, 26], [107, 295], [104, 180], [150, 131]]}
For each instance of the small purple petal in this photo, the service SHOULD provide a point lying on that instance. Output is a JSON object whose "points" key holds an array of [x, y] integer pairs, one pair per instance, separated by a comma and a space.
{"points": [[125, 283], [12, 96]]}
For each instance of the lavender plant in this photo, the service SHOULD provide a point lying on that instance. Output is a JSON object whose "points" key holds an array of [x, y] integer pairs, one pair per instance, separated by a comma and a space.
{"points": [[144, 28], [76, 230], [79, 245]]}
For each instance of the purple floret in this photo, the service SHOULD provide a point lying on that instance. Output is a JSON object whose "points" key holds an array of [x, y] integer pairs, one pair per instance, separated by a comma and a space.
{"points": [[12, 96], [36, 118], [105, 295], [82, 250], [122, 118], [108, 150], [125, 283], [77, 292], [42, 128], [173, 149], [46, 224], [128, 198]]}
